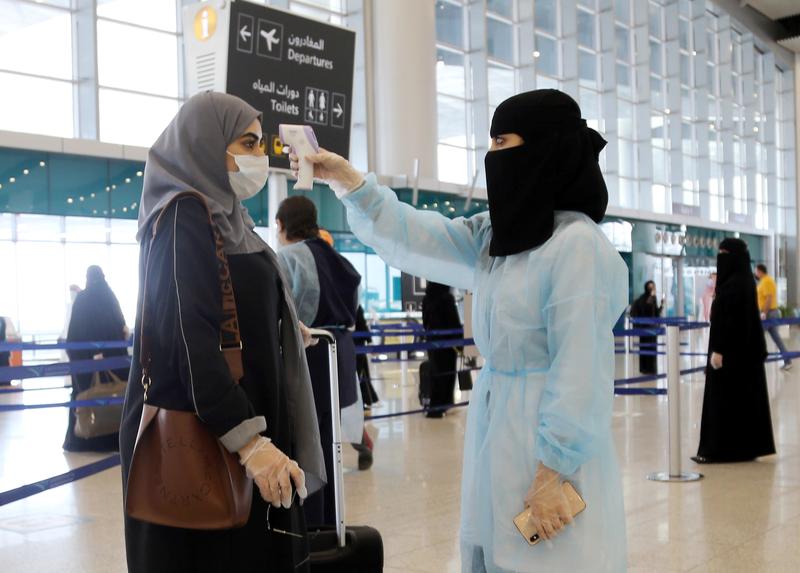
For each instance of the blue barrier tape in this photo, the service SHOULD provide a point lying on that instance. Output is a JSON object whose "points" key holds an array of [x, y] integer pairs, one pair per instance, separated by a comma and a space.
{"points": [[640, 391], [630, 332], [13, 346], [17, 390], [410, 347], [641, 352], [64, 368], [417, 333], [418, 411], [639, 379], [30, 489], [70, 404]]}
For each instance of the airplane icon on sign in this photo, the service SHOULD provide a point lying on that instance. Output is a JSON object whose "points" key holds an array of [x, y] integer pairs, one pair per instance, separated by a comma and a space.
{"points": [[270, 38]]}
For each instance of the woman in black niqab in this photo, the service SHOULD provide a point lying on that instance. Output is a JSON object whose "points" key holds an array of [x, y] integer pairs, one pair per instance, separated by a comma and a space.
{"points": [[439, 312], [96, 317], [646, 306], [736, 425], [555, 169]]}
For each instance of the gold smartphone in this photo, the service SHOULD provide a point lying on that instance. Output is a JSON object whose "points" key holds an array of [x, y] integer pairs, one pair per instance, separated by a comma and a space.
{"points": [[526, 528]]}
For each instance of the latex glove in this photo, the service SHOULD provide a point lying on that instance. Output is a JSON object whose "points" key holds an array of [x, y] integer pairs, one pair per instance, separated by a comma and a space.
{"points": [[549, 507], [308, 339], [716, 360], [334, 169], [273, 472]]}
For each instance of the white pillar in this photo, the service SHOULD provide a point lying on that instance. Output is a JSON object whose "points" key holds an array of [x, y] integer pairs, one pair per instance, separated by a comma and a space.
{"points": [[404, 51], [794, 242]]}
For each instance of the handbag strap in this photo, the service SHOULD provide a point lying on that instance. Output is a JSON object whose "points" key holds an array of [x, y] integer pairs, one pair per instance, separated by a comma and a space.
{"points": [[230, 343]]}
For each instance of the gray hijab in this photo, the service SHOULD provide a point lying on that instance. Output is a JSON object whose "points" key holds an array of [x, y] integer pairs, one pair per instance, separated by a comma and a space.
{"points": [[190, 156]]}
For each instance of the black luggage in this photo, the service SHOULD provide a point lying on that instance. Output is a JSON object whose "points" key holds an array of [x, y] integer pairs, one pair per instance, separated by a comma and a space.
{"points": [[340, 548], [426, 372]]}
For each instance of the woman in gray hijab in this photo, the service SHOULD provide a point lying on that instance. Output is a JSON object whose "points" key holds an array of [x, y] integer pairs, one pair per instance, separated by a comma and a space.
{"points": [[214, 147]]}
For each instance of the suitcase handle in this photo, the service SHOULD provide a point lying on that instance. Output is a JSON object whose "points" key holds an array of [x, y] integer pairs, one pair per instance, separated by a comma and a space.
{"points": [[338, 471]]}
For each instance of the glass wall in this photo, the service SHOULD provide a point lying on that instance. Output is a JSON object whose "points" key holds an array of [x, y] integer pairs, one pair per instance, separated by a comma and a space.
{"points": [[131, 73], [42, 255], [697, 110], [36, 94]]}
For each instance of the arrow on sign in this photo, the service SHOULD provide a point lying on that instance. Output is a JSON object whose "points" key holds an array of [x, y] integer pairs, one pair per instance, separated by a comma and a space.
{"points": [[244, 33], [338, 110]]}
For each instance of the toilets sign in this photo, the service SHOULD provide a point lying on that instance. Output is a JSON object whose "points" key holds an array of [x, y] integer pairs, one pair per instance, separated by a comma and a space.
{"points": [[295, 70]]}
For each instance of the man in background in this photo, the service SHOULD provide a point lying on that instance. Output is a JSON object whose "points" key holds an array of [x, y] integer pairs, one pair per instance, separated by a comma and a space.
{"points": [[768, 305]]}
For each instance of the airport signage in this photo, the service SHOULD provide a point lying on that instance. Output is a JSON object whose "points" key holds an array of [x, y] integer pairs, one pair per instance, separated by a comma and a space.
{"points": [[295, 70]]}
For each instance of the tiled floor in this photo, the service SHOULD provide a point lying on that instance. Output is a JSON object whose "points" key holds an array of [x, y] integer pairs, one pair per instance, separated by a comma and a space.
{"points": [[743, 517]]}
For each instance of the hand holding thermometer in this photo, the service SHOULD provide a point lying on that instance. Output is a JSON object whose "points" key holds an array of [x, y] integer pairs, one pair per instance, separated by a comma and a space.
{"points": [[303, 142]]}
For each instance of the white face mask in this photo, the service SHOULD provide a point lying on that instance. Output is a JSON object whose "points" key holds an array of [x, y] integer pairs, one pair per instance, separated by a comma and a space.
{"points": [[251, 177]]}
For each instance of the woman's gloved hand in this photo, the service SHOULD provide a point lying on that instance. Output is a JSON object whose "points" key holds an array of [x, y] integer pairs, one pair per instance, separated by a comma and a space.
{"points": [[716, 360], [334, 169], [273, 472], [549, 507]]}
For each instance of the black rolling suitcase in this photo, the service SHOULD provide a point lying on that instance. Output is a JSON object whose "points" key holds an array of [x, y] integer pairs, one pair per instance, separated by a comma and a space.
{"points": [[340, 548]]}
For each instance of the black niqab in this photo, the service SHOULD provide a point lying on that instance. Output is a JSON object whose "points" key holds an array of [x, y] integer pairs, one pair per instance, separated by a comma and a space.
{"points": [[555, 169], [736, 422]]}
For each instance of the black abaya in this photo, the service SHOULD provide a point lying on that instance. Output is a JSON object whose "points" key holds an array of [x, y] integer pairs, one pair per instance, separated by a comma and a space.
{"points": [[737, 424], [189, 370], [439, 312], [338, 301], [646, 306], [96, 317]]}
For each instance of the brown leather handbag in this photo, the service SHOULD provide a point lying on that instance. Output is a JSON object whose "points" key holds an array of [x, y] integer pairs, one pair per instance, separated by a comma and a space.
{"points": [[180, 474]]}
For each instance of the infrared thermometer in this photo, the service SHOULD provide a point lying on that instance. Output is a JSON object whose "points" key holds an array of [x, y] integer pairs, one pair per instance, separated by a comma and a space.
{"points": [[303, 142]]}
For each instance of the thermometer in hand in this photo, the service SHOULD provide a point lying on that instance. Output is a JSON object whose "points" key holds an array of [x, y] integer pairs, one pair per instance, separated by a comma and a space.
{"points": [[303, 142]]}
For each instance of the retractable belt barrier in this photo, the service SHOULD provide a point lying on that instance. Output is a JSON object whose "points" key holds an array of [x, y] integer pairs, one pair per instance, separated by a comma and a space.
{"points": [[113, 363]]}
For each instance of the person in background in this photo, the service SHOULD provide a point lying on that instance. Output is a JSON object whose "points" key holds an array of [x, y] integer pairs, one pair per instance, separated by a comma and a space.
{"points": [[768, 306], [324, 286], [439, 312], [549, 288], [736, 424], [96, 317], [368, 393], [73, 294], [647, 306], [708, 296], [7, 334]]}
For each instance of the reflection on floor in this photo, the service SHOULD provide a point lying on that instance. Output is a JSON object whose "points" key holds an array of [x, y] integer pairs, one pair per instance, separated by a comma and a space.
{"points": [[743, 517]]}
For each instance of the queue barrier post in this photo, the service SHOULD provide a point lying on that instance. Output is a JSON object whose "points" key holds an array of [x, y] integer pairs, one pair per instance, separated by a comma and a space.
{"points": [[674, 455], [627, 342]]}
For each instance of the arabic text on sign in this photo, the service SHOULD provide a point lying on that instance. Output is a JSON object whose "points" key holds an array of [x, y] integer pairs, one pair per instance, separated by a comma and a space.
{"points": [[307, 42]]}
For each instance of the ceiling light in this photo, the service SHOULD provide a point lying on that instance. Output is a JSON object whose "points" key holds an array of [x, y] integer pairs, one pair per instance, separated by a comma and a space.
{"points": [[12, 179], [138, 174], [42, 164], [25, 171], [69, 200]]}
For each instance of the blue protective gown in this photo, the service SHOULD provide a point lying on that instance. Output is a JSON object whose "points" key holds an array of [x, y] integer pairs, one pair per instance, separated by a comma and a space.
{"points": [[543, 321]]}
